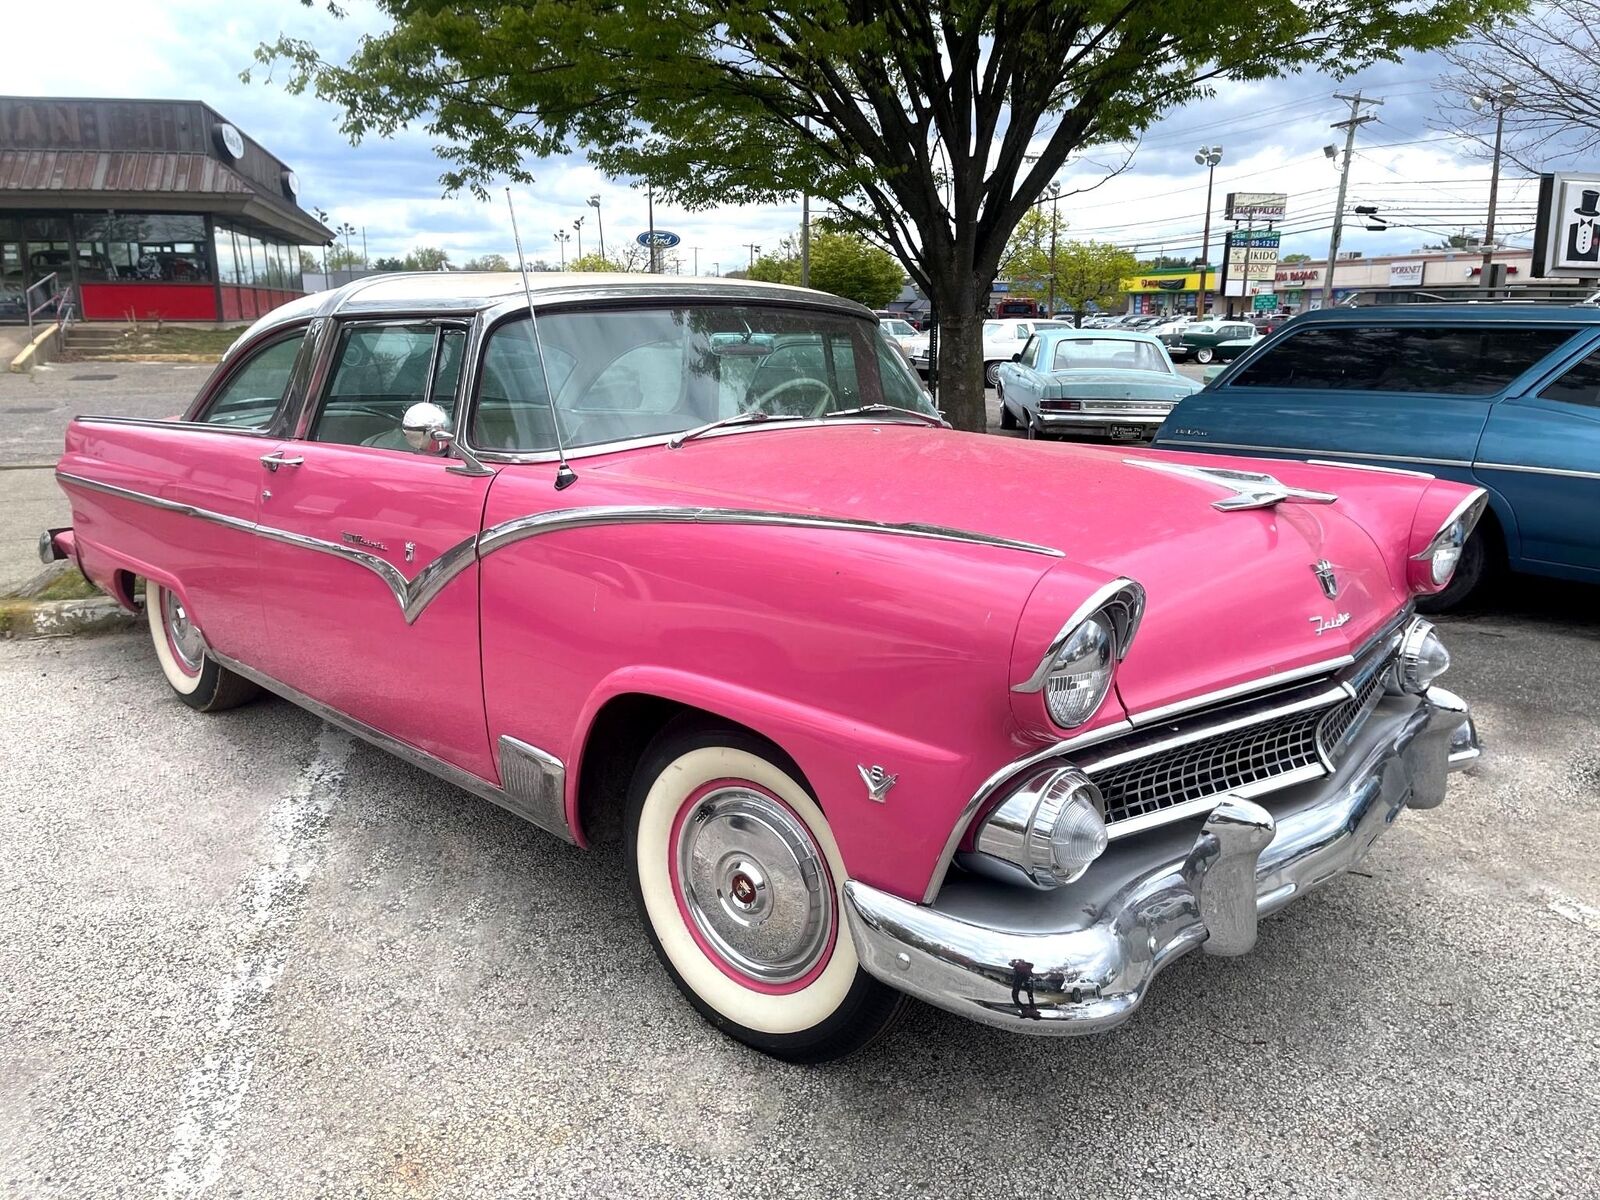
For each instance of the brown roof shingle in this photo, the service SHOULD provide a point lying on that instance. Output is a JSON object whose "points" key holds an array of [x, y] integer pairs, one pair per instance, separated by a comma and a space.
{"points": [[115, 171]]}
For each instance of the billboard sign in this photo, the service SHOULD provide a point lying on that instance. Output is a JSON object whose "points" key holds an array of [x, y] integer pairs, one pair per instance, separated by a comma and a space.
{"points": [[1262, 206], [1252, 259], [1405, 274], [1566, 240]]}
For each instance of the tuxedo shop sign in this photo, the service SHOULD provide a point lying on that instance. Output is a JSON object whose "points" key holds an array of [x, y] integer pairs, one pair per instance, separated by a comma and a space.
{"points": [[1567, 238]]}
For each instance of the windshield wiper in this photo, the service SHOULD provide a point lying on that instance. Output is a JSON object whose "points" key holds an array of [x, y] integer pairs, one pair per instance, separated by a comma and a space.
{"points": [[863, 410], [744, 418]]}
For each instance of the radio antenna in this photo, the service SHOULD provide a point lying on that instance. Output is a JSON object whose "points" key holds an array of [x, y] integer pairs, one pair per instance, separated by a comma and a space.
{"points": [[565, 475]]}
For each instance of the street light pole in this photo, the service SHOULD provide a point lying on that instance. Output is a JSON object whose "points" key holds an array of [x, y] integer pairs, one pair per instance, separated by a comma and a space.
{"points": [[562, 238], [1355, 121], [577, 224], [1055, 196], [1500, 101], [754, 250], [599, 225], [1208, 157]]}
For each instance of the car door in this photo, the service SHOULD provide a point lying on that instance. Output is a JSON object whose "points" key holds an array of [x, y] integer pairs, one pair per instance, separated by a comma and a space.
{"points": [[1541, 453], [1020, 380], [1399, 392], [369, 572]]}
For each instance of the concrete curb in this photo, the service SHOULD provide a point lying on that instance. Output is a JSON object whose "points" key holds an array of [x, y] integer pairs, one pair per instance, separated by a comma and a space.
{"points": [[23, 619], [81, 356], [36, 350]]}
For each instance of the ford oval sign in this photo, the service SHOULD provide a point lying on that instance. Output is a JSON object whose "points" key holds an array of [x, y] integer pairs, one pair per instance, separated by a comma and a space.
{"points": [[662, 239]]}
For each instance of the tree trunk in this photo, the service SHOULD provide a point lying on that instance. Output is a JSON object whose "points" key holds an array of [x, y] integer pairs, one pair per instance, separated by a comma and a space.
{"points": [[961, 385]]}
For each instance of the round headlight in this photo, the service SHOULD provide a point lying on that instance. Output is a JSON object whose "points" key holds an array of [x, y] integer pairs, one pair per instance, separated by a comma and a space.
{"points": [[1081, 672], [1447, 551], [1423, 657], [1046, 833]]}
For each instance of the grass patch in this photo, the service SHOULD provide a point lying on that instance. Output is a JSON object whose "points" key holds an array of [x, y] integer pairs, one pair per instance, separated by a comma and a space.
{"points": [[154, 339], [69, 585]]}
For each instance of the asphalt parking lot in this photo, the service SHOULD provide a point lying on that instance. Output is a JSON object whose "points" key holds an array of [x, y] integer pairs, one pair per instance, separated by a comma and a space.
{"points": [[241, 955]]}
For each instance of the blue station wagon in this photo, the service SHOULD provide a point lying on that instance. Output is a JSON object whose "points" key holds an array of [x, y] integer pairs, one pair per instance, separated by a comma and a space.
{"points": [[1503, 396]]}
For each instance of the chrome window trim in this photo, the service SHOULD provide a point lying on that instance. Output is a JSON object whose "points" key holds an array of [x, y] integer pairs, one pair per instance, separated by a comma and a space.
{"points": [[327, 354], [237, 357], [164, 423], [1253, 448], [1561, 471], [492, 317], [1101, 597], [530, 808]]}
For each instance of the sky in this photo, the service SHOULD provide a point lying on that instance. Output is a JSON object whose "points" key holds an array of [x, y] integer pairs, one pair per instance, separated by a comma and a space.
{"points": [[1425, 181]]}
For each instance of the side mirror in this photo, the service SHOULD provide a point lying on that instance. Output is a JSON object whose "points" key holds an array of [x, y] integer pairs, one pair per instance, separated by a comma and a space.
{"points": [[427, 428], [1017, 357]]}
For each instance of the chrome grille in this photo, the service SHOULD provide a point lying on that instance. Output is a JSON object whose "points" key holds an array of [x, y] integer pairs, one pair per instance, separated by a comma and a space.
{"points": [[1261, 757]]}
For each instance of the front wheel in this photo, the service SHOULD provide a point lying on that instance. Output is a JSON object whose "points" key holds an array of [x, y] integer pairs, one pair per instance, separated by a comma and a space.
{"points": [[1008, 419], [740, 884], [199, 680]]}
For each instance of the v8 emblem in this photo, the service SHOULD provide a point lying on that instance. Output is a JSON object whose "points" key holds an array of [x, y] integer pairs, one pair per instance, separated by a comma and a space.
{"points": [[878, 782]]}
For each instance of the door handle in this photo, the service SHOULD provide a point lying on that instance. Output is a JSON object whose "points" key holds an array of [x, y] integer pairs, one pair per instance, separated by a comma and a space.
{"points": [[276, 459]]}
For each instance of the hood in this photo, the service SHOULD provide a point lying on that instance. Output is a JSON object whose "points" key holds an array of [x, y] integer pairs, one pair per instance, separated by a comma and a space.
{"points": [[1231, 595]]}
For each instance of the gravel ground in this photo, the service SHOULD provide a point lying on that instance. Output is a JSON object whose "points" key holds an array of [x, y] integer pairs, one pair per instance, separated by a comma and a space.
{"points": [[241, 955]]}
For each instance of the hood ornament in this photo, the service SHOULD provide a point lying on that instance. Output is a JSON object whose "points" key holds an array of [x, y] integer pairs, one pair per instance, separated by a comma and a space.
{"points": [[1326, 577], [1251, 489], [878, 781]]}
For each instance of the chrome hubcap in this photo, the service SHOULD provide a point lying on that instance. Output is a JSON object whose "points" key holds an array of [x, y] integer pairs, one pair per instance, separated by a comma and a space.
{"points": [[184, 636], [754, 882]]}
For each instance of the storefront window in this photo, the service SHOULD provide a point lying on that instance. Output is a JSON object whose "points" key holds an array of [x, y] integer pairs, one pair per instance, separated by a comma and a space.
{"points": [[146, 247], [258, 262], [227, 263]]}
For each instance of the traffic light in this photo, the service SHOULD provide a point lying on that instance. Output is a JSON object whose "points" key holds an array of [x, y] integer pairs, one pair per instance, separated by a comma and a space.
{"points": [[1375, 223]]}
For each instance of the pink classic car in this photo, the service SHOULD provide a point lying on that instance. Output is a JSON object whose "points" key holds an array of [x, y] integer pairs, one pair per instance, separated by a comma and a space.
{"points": [[878, 709]]}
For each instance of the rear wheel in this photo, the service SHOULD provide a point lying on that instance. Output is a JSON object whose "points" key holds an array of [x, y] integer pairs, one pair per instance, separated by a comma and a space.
{"points": [[991, 374], [739, 882], [200, 681], [1204, 355], [1008, 419]]}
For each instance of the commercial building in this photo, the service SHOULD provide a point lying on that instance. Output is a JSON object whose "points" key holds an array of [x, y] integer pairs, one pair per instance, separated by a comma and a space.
{"points": [[147, 209]]}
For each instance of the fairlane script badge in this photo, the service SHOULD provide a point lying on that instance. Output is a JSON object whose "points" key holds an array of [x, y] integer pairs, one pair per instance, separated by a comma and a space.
{"points": [[1324, 624], [878, 782]]}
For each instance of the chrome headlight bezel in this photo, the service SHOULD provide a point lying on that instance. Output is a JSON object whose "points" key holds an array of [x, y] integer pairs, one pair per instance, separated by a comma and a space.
{"points": [[1045, 834], [1114, 610], [1443, 551]]}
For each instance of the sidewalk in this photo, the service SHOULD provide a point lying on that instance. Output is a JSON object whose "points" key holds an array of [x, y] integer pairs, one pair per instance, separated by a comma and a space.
{"points": [[12, 339], [30, 502]]}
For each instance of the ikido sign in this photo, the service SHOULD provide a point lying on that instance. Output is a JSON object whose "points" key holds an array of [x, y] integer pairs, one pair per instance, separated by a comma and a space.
{"points": [[1566, 240]]}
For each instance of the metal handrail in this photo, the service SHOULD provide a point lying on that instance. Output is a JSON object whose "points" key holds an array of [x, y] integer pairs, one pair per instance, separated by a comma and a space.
{"points": [[59, 298]]}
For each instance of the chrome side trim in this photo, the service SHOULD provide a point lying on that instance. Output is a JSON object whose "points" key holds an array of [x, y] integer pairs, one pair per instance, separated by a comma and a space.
{"points": [[1261, 684], [412, 596], [1122, 592], [508, 799], [162, 423], [1252, 448], [507, 532], [1358, 466], [1562, 471], [537, 781]]}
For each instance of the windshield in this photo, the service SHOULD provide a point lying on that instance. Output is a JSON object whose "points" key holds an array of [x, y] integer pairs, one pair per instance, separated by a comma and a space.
{"points": [[898, 328], [1108, 354], [636, 373]]}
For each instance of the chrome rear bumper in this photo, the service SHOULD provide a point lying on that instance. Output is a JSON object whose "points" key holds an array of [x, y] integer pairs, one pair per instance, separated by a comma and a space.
{"points": [[1080, 959]]}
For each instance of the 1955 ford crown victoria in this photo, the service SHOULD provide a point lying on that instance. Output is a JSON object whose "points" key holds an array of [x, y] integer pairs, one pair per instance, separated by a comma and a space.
{"points": [[878, 708]]}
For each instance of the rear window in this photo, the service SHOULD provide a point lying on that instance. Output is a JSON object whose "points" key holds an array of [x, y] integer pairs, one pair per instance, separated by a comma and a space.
{"points": [[1471, 361]]}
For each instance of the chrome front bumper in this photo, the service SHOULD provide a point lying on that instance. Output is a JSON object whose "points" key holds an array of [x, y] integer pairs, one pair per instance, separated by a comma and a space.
{"points": [[1080, 959]]}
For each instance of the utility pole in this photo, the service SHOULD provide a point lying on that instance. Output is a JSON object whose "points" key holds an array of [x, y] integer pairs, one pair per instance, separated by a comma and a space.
{"points": [[696, 250], [805, 230], [754, 250], [650, 201], [1055, 196], [1356, 120]]}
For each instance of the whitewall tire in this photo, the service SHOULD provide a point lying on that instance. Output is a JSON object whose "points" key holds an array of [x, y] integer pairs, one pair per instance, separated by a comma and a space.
{"points": [[198, 679], [740, 884]]}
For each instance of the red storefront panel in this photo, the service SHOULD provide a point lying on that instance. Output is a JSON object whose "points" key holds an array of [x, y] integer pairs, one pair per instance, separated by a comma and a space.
{"points": [[230, 304], [149, 301]]}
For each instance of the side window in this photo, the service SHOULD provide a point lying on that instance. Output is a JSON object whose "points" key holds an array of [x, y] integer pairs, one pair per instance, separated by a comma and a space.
{"points": [[900, 387], [1030, 352], [382, 370], [1474, 360], [1580, 385], [252, 394]]}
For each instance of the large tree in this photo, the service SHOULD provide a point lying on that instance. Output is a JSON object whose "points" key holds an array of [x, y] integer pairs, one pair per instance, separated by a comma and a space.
{"points": [[842, 263], [931, 126]]}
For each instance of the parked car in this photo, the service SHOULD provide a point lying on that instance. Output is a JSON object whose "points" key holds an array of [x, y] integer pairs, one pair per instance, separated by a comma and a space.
{"points": [[1202, 338], [1090, 384], [1268, 322], [876, 709], [1503, 397], [899, 331], [1003, 339]]}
